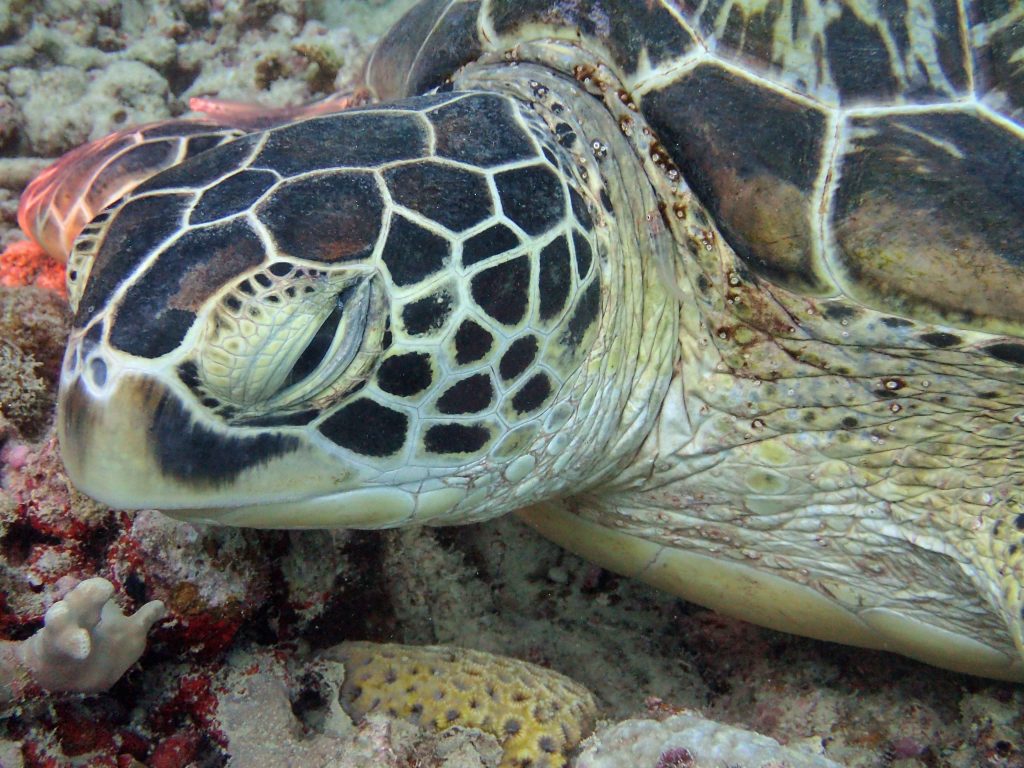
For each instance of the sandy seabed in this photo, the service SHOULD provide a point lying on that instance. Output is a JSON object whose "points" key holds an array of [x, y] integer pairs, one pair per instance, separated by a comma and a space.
{"points": [[225, 678]]}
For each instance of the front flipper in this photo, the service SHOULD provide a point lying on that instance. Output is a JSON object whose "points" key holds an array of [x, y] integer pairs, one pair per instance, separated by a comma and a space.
{"points": [[742, 590], [253, 117], [68, 195]]}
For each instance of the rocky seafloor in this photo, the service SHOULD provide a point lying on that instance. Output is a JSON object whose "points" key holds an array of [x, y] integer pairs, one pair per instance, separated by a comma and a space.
{"points": [[232, 677]]}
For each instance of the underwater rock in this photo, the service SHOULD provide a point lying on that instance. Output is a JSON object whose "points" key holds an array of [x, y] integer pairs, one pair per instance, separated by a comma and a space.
{"points": [[689, 741], [211, 579]]}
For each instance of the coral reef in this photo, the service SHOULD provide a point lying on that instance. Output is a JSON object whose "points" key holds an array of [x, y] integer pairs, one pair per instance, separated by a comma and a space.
{"points": [[231, 674], [539, 716], [212, 580], [24, 400], [270, 714], [33, 326], [78, 71], [25, 263]]}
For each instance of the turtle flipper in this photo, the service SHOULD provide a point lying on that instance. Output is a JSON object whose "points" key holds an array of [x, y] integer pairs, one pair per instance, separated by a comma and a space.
{"points": [[250, 116], [68, 195]]}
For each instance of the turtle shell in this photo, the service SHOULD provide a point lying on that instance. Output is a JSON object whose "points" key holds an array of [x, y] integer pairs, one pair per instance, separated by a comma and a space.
{"points": [[846, 148]]}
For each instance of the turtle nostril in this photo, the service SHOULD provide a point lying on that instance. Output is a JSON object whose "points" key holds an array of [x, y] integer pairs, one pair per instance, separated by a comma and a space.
{"points": [[98, 371]]}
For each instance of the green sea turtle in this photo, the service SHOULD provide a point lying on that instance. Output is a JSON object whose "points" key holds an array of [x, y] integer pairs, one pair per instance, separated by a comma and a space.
{"points": [[723, 295]]}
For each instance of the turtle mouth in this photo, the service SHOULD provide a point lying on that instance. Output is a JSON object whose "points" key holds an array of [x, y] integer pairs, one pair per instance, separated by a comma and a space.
{"points": [[139, 445], [367, 508], [151, 452]]}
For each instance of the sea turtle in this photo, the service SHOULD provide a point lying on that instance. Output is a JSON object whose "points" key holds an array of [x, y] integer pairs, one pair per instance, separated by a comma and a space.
{"points": [[723, 295]]}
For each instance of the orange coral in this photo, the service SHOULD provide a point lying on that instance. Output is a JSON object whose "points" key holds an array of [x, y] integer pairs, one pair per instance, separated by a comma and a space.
{"points": [[25, 263]]}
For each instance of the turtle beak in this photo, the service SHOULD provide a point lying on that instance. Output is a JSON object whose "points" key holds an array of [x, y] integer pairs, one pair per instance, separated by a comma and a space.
{"points": [[132, 445], [129, 440]]}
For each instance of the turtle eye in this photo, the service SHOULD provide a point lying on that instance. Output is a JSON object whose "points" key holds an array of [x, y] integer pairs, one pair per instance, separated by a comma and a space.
{"points": [[333, 347], [316, 352], [279, 342]]}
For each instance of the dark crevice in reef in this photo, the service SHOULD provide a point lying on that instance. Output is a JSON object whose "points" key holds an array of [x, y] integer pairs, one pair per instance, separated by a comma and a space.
{"points": [[98, 539], [19, 538], [360, 606], [311, 701], [463, 540]]}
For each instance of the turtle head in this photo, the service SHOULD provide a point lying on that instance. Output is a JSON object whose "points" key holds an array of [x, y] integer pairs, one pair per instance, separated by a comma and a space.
{"points": [[362, 319]]}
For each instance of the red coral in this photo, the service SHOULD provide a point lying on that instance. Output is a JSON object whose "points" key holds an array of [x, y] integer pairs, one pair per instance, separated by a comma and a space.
{"points": [[131, 745], [25, 263], [80, 733], [207, 636], [175, 751], [194, 704]]}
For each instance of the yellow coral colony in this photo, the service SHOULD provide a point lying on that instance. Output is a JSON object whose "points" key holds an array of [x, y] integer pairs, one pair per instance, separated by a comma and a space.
{"points": [[536, 714]]}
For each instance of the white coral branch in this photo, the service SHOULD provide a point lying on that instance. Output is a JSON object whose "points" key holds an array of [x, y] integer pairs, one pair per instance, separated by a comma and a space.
{"points": [[85, 645]]}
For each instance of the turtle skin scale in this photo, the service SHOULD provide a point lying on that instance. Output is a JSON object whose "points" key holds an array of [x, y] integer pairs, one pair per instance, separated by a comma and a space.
{"points": [[725, 296]]}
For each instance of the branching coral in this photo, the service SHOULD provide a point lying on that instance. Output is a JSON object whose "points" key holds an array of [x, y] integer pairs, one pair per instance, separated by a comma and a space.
{"points": [[85, 645]]}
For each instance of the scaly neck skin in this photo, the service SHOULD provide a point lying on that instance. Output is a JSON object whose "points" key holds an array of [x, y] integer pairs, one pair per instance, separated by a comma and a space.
{"points": [[813, 440], [828, 442], [613, 402], [816, 438]]}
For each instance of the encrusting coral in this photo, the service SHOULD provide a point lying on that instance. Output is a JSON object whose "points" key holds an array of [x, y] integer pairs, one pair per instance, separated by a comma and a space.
{"points": [[538, 715], [85, 645], [24, 396]]}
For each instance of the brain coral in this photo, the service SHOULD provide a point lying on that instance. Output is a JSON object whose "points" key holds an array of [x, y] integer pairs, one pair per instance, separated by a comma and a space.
{"points": [[536, 714]]}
